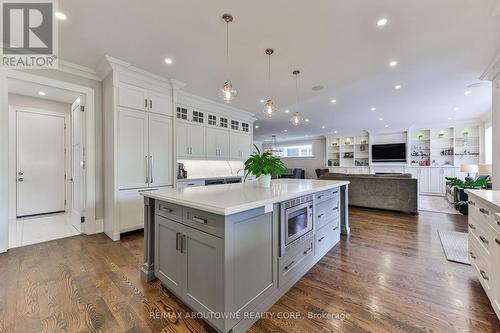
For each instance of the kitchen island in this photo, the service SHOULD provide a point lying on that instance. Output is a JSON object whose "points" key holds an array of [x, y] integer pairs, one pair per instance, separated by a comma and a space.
{"points": [[231, 251]]}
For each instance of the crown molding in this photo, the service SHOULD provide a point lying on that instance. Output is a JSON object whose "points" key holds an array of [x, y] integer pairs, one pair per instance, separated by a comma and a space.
{"points": [[203, 103], [493, 69], [78, 70]]}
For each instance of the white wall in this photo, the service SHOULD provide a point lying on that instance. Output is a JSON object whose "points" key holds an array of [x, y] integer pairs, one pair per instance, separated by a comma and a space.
{"points": [[309, 164], [496, 132], [4, 163]]}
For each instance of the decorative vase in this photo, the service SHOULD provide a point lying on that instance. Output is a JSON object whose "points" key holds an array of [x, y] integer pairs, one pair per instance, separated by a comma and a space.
{"points": [[264, 181]]}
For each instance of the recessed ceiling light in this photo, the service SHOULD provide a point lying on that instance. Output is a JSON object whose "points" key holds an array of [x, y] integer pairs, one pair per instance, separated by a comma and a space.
{"points": [[323, 127], [168, 61], [373, 109], [307, 120], [450, 118], [382, 22], [386, 126], [335, 132], [456, 108], [397, 86], [380, 118], [393, 63], [334, 101], [286, 111], [262, 101], [60, 16], [285, 131], [467, 92], [256, 126], [41, 93]]}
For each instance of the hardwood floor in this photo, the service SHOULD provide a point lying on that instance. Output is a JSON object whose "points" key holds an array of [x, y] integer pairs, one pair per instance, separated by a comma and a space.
{"points": [[389, 276]]}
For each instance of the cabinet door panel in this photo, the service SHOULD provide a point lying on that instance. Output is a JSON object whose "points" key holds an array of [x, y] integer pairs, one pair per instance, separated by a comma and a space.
{"points": [[131, 210], [160, 150], [436, 181], [132, 97], [222, 143], [197, 141], [246, 145], [132, 149], [212, 142], [182, 139], [203, 260], [159, 103], [234, 146], [169, 262], [424, 180]]}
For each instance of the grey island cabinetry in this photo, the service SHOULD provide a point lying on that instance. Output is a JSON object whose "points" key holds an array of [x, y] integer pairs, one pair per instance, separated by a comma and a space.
{"points": [[231, 251]]}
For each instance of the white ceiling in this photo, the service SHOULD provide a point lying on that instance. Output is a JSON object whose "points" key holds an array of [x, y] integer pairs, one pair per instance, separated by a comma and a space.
{"points": [[441, 46], [32, 89]]}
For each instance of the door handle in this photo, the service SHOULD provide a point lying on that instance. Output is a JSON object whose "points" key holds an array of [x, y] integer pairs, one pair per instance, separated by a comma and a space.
{"points": [[200, 220], [150, 104], [151, 181], [183, 239], [484, 239], [20, 180], [146, 103], [484, 211], [20, 173], [177, 241], [147, 172]]}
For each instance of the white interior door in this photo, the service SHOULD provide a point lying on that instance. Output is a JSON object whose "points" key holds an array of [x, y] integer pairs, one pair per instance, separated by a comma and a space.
{"points": [[40, 163], [160, 150], [77, 164]]}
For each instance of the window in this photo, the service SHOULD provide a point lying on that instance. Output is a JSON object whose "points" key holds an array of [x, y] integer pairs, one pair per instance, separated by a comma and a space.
{"points": [[198, 117], [245, 127], [296, 151], [488, 145], [212, 120], [182, 113], [235, 125], [223, 122]]}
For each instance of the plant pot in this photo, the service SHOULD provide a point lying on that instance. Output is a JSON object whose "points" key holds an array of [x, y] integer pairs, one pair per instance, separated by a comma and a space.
{"points": [[264, 181], [462, 196]]}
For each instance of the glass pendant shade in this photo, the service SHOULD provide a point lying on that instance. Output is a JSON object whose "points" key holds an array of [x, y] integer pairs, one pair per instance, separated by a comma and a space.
{"points": [[228, 93], [296, 120], [269, 108]]}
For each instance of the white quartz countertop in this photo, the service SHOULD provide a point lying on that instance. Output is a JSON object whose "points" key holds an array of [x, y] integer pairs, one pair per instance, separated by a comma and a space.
{"points": [[492, 197], [235, 198]]}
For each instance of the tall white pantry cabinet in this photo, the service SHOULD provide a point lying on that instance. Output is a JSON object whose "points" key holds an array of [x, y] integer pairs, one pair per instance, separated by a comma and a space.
{"points": [[139, 142]]}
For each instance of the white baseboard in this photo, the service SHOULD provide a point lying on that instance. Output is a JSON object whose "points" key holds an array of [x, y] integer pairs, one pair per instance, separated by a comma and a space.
{"points": [[99, 226]]}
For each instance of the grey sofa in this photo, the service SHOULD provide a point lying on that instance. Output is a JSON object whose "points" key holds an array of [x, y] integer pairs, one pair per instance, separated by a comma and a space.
{"points": [[398, 192]]}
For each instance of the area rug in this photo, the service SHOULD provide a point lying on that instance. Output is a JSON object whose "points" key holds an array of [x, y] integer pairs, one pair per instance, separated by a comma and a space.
{"points": [[455, 246], [435, 204]]}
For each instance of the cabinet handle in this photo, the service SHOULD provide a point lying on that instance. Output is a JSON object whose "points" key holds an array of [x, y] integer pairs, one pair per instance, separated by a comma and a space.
{"points": [[483, 274], [321, 239], [497, 241], [166, 209], [151, 169], [289, 265], [336, 208], [336, 227], [320, 216], [146, 103], [147, 172], [320, 196], [306, 252], [484, 240], [150, 104], [183, 244], [472, 226], [472, 255], [177, 241], [472, 203], [200, 220], [484, 211]]}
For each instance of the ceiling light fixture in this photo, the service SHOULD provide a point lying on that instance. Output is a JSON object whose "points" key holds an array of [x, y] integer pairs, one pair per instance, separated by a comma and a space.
{"points": [[334, 101], [285, 131], [393, 63], [323, 127], [269, 108], [335, 132], [450, 118], [262, 101], [287, 111], [456, 108], [168, 61], [60, 16], [380, 118], [382, 22], [307, 120], [296, 119], [373, 109], [386, 126], [41, 93], [397, 86], [467, 92], [257, 126], [228, 93]]}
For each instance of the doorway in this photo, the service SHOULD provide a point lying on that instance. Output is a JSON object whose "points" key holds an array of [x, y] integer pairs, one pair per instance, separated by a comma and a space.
{"points": [[47, 163]]}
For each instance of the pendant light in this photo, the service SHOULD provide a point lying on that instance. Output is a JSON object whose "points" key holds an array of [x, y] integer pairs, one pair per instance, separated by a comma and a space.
{"points": [[296, 118], [275, 150], [269, 107], [227, 93]]}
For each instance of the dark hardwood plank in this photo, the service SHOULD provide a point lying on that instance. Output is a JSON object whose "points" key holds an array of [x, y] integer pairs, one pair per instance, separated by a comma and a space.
{"points": [[389, 276]]}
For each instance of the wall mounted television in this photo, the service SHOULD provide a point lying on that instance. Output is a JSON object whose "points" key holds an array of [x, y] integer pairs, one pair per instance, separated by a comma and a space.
{"points": [[394, 152]]}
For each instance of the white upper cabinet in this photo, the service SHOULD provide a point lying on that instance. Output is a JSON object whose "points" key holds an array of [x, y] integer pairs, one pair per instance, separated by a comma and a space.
{"points": [[182, 139], [133, 97], [217, 143], [240, 146], [133, 149], [160, 150], [190, 140]]}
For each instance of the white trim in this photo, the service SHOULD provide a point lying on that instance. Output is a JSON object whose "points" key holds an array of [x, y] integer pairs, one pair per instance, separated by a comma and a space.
{"points": [[13, 109], [99, 226], [90, 225], [78, 70], [493, 69]]}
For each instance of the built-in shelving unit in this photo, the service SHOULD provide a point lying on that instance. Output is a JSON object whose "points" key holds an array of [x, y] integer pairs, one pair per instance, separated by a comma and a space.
{"points": [[347, 151]]}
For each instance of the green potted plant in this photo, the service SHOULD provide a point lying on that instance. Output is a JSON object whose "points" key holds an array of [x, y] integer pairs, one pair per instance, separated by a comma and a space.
{"points": [[462, 204], [263, 165]]}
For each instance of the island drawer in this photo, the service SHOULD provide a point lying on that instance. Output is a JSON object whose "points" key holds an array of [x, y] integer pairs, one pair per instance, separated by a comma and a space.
{"points": [[326, 238], [333, 193], [485, 214], [212, 224], [480, 262], [326, 212], [169, 210], [291, 266]]}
